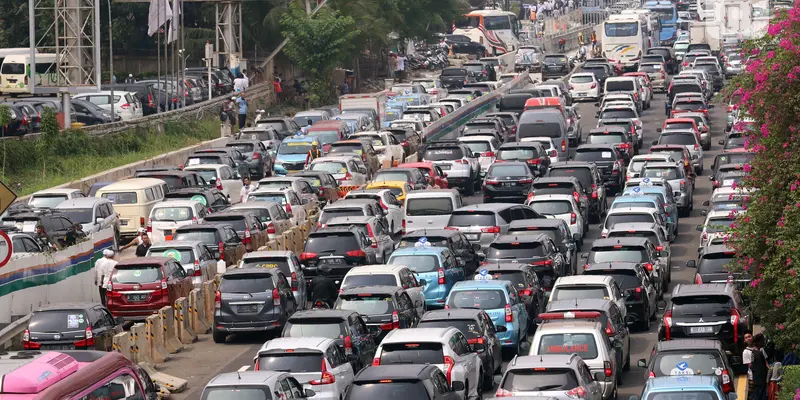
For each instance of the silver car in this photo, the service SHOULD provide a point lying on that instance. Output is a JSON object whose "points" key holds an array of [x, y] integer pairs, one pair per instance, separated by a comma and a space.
{"points": [[638, 161], [233, 384], [653, 233], [483, 223], [733, 66], [197, 259], [485, 147], [459, 162], [538, 375], [675, 174], [93, 213]]}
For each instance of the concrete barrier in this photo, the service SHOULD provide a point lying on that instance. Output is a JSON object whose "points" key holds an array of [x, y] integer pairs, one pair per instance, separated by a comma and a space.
{"points": [[183, 330], [412, 158], [141, 346], [197, 312], [171, 383], [122, 344], [209, 296], [171, 342], [155, 337]]}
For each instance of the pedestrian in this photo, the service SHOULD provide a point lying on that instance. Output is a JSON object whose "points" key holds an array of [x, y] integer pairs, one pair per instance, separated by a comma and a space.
{"points": [[246, 189], [298, 88], [102, 272], [44, 239], [114, 79], [238, 84], [401, 67], [242, 103], [562, 44], [580, 38], [392, 64], [305, 129], [314, 153], [130, 79], [278, 91], [246, 79], [345, 89], [760, 369], [136, 241], [141, 249]]}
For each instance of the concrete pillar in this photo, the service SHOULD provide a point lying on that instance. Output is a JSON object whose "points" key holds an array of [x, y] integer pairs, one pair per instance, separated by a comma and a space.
{"points": [[197, 312], [209, 294], [141, 345], [155, 337], [171, 342], [184, 331], [122, 344]]}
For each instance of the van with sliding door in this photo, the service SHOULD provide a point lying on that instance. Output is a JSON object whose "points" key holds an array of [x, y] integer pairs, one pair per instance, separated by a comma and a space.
{"points": [[133, 200], [14, 78]]}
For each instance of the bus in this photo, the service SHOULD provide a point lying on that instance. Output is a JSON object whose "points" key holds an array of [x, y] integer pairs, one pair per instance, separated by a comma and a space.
{"points": [[667, 16], [19, 50], [498, 31], [624, 40], [14, 72]]}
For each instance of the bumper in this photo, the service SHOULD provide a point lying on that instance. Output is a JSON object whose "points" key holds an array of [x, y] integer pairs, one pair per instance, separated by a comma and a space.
{"points": [[138, 313], [252, 326], [607, 387], [659, 85], [636, 309], [509, 337], [457, 181], [584, 94]]}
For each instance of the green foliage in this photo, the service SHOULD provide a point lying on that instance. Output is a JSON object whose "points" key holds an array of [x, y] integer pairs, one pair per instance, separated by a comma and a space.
{"points": [[318, 45], [49, 127], [5, 116], [791, 383]]}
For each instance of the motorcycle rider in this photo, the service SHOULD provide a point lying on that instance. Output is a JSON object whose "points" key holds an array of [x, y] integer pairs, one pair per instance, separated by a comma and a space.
{"points": [[323, 288], [582, 53]]}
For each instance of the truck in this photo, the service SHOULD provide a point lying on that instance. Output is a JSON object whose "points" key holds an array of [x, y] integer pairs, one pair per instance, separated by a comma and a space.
{"points": [[708, 33], [368, 103]]}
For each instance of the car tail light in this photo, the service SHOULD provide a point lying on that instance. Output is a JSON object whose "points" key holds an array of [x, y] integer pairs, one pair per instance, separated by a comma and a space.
{"points": [[696, 147], [648, 266], [487, 154], [530, 196], [509, 314], [667, 324], [326, 378], [449, 363], [221, 246], [735, 317], [376, 361], [307, 256], [638, 292], [164, 287], [576, 196], [607, 369], [372, 238], [563, 145], [659, 248], [395, 320], [26, 84], [256, 156], [88, 339], [197, 270], [442, 279], [356, 253], [125, 106], [552, 153], [526, 181], [527, 292], [535, 161], [219, 184], [698, 279], [490, 182], [651, 374], [577, 393], [271, 228], [404, 144], [276, 297], [26, 341], [294, 280], [462, 161], [288, 208], [491, 229], [141, 221], [403, 224], [541, 263], [479, 340], [610, 329], [683, 184], [247, 236], [573, 219], [594, 85], [150, 100], [217, 299], [727, 383], [150, 225], [594, 191], [730, 108], [348, 345], [705, 236]]}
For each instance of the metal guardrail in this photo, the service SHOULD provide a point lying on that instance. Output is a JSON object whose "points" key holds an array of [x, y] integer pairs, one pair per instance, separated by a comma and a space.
{"points": [[12, 334]]}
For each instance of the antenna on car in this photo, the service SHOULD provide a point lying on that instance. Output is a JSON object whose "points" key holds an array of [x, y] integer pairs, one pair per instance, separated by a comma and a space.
{"points": [[239, 375]]}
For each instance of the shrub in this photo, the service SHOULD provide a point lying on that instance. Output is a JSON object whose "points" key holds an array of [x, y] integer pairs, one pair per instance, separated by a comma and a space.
{"points": [[790, 386]]}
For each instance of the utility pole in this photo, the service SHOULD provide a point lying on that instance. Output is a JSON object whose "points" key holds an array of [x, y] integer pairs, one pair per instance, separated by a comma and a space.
{"points": [[111, 61]]}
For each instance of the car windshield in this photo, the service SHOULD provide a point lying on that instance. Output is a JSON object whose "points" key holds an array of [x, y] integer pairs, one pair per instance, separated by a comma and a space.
{"points": [[636, 165], [477, 299], [208, 174], [539, 379], [327, 328], [582, 344], [655, 172], [417, 263], [331, 167], [136, 274], [679, 125], [515, 250], [429, 206], [594, 155], [701, 306], [369, 280], [516, 154], [325, 137], [205, 236], [584, 175], [603, 138], [443, 154], [58, 321], [472, 218], [378, 304], [552, 207], [714, 263], [78, 215], [291, 362], [668, 363], [172, 214], [294, 148]]}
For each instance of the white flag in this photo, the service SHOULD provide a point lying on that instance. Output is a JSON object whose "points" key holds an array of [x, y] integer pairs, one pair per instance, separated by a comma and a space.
{"points": [[160, 13], [174, 24]]}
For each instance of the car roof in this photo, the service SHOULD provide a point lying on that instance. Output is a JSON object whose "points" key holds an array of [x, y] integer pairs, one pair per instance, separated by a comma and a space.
{"points": [[579, 304], [423, 335], [717, 249], [515, 238], [268, 253], [625, 265], [371, 289], [419, 251], [80, 202], [314, 343], [77, 305], [322, 313], [244, 378], [544, 361], [536, 223], [418, 233], [143, 261], [480, 285], [634, 226], [176, 203], [376, 268], [178, 243], [677, 384], [701, 289], [427, 193], [584, 280], [620, 241], [688, 344], [394, 371], [486, 207]]}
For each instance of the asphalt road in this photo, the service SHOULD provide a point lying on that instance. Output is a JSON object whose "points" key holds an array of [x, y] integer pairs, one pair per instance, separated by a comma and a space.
{"points": [[206, 359]]}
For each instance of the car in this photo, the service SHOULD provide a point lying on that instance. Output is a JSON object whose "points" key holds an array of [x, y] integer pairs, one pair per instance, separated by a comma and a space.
{"points": [[635, 283], [345, 169], [247, 225], [388, 274], [412, 176], [93, 213], [385, 308], [349, 208], [465, 252], [222, 177], [667, 386], [433, 87], [562, 186], [283, 126], [507, 182], [259, 159], [656, 72], [301, 185], [500, 299], [617, 136], [437, 266], [169, 215], [529, 58], [716, 226], [289, 265], [532, 153], [483, 223], [317, 363], [557, 230], [681, 185], [386, 146], [584, 85], [60, 228], [49, 198], [645, 211], [626, 116], [690, 140], [680, 154], [324, 184], [347, 328], [221, 239], [269, 303], [562, 206], [637, 162], [139, 287], [651, 232], [552, 376], [224, 155], [549, 145], [280, 384], [555, 66], [638, 197], [526, 281], [297, 209], [71, 326], [691, 120], [336, 249], [272, 216], [126, 104], [392, 206], [291, 154], [712, 266], [194, 256], [396, 382], [484, 146], [589, 176], [374, 227], [212, 198], [632, 249], [536, 250], [175, 179], [703, 357], [459, 163]]}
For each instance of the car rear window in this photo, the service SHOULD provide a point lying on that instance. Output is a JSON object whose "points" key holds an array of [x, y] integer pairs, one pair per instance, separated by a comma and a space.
{"points": [[620, 85], [369, 280], [388, 389], [534, 129], [207, 236], [412, 353], [515, 250], [119, 197], [714, 263], [236, 392], [243, 147], [477, 299], [594, 155], [479, 147], [385, 176], [322, 242], [650, 235], [582, 344], [429, 206], [184, 255], [551, 207], [136, 274], [684, 139], [618, 253], [332, 328], [695, 363], [551, 232], [517, 278], [366, 304], [668, 173], [472, 218], [417, 263], [454, 72], [584, 175], [58, 321], [239, 223], [701, 306], [614, 219], [579, 292], [173, 214], [281, 263], [625, 278], [330, 214], [650, 67], [542, 188], [279, 198], [685, 88], [679, 125], [539, 379], [581, 79], [291, 362], [513, 102], [443, 154], [199, 160], [468, 327], [503, 171], [617, 113], [605, 138], [246, 283], [689, 105], [517, 154]]}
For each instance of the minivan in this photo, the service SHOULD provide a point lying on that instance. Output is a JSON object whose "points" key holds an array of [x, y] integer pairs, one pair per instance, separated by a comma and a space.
{"points": [[169, 215], [133, 200], [625, 84], [140, 286], [545, 123], [429, 209]]}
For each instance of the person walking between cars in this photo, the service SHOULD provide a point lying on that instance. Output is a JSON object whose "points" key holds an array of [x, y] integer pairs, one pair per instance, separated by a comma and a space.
{"points": [[242, 103], [141, 249], [561, 44], [759, 368], [278, 91], [401, 67], [324, 288], [246, 189], [313, 154], [392, 64], [44, 239], [102, 272]]}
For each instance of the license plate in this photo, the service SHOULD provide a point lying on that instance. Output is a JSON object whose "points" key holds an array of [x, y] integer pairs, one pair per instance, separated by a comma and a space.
{"points": [[472, 236], [332, 260], [581, 94], [58, 347], [444, 166], [250, 308], [701, 329], [123, 222], [508, 184], [137, 297]]}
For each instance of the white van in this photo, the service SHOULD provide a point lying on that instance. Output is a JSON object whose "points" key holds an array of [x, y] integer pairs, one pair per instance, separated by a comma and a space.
{"points": [[13, 73], [626, 84], [429, 209], [133, 200], [169, 215]]}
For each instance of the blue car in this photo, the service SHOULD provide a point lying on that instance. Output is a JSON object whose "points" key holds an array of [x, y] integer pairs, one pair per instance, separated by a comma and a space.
{"points": [[436, 265], [392, 114], [699, 387], [500, 300], [291, 154], [670, 205], [412, 99]]}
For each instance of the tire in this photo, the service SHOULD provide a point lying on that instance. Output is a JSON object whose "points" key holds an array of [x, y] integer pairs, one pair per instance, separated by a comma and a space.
{"points": [[219, 337], [644, 325], [466, 390], [488, 382], [627, 366]]}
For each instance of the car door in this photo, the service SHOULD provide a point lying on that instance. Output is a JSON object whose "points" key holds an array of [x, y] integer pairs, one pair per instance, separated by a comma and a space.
{"points": [[395, 209], [414, 290], [467, 358], [407, 311], [102, 330], [306, 192], [593, 387], [519, 309], [493, 345], [452, 270], [649, 287], [368, 345]]}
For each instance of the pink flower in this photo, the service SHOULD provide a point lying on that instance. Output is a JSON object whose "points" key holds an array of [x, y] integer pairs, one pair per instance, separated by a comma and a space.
{"points": [[793, 187], [764, 130], [747, 168]]}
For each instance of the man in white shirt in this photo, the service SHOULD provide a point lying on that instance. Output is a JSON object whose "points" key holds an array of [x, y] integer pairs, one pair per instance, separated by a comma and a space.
{"points": [[401, 66], [246, 189], [246, 79], [102, 272], [239, 84]]}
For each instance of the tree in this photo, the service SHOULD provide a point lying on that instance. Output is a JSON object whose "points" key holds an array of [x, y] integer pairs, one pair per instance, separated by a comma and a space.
{"points": [[318, 45], [766, 237]]}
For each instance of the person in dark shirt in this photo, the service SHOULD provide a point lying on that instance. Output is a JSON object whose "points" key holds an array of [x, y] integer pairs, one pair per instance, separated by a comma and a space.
{"points": [[323, 288], [760, 369], [141, 249]]}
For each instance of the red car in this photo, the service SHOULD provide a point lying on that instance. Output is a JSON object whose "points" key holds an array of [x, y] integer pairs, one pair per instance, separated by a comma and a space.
{"points": [[140, 286], [436, 177]]}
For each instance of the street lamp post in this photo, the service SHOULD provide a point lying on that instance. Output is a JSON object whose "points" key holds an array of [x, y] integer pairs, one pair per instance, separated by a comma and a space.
{"points": [[111, 62]]}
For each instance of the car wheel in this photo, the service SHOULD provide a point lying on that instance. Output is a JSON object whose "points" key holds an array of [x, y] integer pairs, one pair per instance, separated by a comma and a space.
{"points": [[488, 381], [614, 393], [466, 390], [219, 337]]}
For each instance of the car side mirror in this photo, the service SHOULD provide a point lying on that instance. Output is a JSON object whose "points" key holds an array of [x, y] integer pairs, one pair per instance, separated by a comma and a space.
{"points": [[694, 157], [120, 320], [457, 386], [500, 328], [310, 393], [707, 203], [460, 261], [597, 114], [658, 130], [618, 343], [418, 303], [478, 348], [99, 220], [710, 106], [711, 178], [661, 305], [699, 228], [733, 396], [642, 363], [476, 247], [630, 320], [563, 248], [691, 264]]}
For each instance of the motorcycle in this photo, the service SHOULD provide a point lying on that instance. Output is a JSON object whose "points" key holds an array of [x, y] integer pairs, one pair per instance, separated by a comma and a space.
{"points": [[320, 305]]}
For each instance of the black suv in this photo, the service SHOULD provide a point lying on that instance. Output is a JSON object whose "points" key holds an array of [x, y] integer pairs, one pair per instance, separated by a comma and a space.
{"points": [[531, 153], [337, 249], [507, 182], [702, 356], [538, 251], [618, 135], [631, 249], [347, 328], [416, 381], [60, 228], [609, 161], [634, 282], [72, 326], [707, 311], [466, 253], [455, 77], [589, 176], [568, 244], [246, 223], [213, 198], [252, 300], [555, 66], [628, 125], [711, 267], [525, 280], [384, 308]]}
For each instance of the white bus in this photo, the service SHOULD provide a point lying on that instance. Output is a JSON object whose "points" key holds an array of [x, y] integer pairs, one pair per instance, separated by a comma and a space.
{"points": [[624, 40], [497, 31], [14, 73]]}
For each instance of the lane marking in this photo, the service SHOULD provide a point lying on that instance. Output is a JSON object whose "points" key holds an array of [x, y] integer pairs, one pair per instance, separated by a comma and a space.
{"points": [[741, 386], [245, 368]]}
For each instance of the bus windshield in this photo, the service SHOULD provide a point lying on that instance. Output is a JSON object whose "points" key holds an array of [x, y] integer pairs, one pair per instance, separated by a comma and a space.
{"points": [[665, 15], [622, 29], [499, 22]]}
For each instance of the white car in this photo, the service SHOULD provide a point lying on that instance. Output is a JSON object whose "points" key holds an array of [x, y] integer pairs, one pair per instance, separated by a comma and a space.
{"points": [[344, 168], [296, 208], [167, 216], [584, 85], [585, 286], [561, 206], [631, 215], [388, 274], [434, 87], [485, 147], [317, 363], [716, 226], [547, 143], [222, 176], [414, 124], [126, 104], [50, 198], [460, 363], [386, 146], [393, 208], [638, 161]]}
